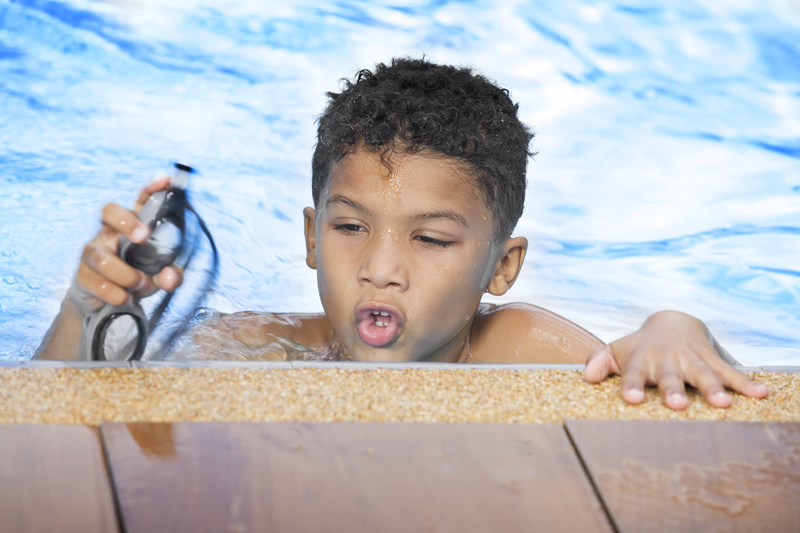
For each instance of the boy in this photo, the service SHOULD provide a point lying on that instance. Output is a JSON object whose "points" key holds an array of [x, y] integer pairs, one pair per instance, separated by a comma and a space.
{"points": [[418, 180]]}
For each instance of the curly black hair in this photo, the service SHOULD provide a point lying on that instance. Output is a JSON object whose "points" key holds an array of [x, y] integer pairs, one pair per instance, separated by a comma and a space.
{"points": [[415, 105]]}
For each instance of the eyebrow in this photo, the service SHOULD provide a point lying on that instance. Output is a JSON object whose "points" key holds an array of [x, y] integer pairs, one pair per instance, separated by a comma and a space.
{"points": [[448, 215], [338, 198], [433, 215]]}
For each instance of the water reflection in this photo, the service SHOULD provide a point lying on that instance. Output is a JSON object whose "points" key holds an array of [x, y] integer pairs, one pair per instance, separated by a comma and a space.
{"points": [[155, 439]]}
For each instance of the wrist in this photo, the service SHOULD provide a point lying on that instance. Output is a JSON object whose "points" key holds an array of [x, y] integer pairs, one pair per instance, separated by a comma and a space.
{"points": [[82, 300]]}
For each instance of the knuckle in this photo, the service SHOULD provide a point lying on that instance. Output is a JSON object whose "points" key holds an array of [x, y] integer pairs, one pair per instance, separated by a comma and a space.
{"points": [[93, 256], [87, 251], [89, 248], [737, 379], [108, 210], [708, 354], [669, 378], [111, 294], [700, 368], [82, 277], [632, 379], [700, 375]]}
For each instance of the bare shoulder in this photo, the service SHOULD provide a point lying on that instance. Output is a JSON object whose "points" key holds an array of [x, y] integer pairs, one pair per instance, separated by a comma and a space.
{"points": [[252, 335], [525, 333]]}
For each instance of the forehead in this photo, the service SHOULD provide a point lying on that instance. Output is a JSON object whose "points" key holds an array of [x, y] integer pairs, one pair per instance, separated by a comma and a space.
{"points": [[406, 179]]}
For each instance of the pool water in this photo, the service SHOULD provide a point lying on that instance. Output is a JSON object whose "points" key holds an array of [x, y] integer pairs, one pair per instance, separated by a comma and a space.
{"points": [[668, 139]]}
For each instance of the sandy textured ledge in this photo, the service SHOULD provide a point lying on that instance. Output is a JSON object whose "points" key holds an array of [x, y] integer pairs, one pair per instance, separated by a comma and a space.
{"points": [[170, 394]]}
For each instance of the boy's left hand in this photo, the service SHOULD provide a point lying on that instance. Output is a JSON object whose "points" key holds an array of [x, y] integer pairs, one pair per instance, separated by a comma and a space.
{"points": [[670, 349]]}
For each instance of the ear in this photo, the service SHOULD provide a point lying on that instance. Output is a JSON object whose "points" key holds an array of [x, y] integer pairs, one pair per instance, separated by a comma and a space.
{"points": [[508, 266], [309, 224]]}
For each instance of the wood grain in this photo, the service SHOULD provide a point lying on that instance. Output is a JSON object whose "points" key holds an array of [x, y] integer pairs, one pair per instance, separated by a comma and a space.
{"points": [[694, 476], [349, 477], [53, 478]]}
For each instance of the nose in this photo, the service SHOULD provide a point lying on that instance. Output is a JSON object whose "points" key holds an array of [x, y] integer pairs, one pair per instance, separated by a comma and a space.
{"points": [[383, 264]]}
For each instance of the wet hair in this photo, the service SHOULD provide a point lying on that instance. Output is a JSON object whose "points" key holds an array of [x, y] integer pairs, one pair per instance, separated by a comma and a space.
{"points": [[414, 105]]}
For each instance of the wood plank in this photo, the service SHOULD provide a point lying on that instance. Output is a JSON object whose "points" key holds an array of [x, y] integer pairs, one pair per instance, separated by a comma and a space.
{"points": [[349, 477], [694, 476], [53, 478]]}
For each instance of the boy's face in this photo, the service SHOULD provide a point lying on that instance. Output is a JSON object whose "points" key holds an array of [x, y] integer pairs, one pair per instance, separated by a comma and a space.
{"points": [[403, 255]]}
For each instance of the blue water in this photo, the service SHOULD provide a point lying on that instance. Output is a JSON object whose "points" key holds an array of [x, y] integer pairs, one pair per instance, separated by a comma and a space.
{"points": [[668, 173]]}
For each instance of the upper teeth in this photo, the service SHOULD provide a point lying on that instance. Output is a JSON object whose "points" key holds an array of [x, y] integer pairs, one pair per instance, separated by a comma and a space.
{"points": [[382, 313]]}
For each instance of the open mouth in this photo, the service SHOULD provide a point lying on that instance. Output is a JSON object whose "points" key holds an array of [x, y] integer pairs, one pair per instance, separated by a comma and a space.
{"points": [[378, 326]]}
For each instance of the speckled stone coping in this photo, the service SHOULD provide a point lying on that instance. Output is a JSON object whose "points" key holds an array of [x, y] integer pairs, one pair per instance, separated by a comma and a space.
{"points": [[346, 365], [87, 393]]}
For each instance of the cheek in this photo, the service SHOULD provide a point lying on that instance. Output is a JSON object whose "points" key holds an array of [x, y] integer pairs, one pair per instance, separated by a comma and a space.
{"points": [[469, 272], [456, 284], [333, 274], [325, 271]]}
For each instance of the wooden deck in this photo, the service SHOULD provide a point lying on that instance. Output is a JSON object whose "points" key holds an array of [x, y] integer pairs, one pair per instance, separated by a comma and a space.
{"points": [[585, 475], [232, 447]]}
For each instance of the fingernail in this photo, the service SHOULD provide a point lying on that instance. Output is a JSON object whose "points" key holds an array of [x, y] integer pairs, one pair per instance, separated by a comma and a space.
{"points": [[722, 395], [139, 234], [675, 397], [634, 395], [141, 284]]}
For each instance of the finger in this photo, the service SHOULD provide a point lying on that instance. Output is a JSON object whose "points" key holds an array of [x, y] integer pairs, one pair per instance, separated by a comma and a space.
{"points": [[752, 389], [670, 384], [170, 278], [634, 378], [700, 375], [117, 219], [158, 184], [600, 365], [101, 287], [101, 260], [735, 380]]}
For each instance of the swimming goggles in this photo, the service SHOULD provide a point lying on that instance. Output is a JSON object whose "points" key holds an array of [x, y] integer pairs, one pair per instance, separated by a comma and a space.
{"points": [[120, 333]]}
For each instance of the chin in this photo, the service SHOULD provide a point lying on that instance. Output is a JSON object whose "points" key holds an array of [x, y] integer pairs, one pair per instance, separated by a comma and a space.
{"points": [[381, 356]]}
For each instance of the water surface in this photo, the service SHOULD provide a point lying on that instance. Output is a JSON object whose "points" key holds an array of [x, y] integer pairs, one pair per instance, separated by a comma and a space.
{"points": [[668, 139]]}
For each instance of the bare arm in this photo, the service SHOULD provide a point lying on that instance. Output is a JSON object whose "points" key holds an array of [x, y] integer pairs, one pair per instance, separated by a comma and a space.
{"points": [[63, 338]]}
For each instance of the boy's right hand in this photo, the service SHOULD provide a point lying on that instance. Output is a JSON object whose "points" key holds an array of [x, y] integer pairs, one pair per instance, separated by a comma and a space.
{"points": [[105, 278]]}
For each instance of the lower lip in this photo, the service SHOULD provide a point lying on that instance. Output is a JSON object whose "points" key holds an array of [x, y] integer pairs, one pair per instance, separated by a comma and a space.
{"points": [[377, 336]]}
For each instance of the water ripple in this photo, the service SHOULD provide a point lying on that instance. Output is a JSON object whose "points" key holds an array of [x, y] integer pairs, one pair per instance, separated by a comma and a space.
{"points": [[663, 246], [672, 116]]}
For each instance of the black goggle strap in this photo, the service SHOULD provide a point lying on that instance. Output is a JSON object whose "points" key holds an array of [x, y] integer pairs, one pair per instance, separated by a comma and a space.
{"points": [[208, 285]]}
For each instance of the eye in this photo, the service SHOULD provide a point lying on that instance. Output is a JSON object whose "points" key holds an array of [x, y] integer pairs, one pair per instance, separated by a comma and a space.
{"points": [[348, 228], [430, 241]]}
